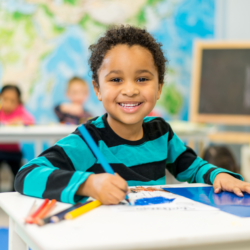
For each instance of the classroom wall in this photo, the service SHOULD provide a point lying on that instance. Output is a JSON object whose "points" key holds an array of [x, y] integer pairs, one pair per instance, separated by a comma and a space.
{"points": [[44, 43], [232, 19]]}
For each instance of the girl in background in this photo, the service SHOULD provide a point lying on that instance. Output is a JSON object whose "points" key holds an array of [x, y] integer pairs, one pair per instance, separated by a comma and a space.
{"points": [[12, 112]]}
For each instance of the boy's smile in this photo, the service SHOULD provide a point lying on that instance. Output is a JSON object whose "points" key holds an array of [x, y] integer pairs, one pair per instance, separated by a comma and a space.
{"points": [[128, 88], [130, 107]]}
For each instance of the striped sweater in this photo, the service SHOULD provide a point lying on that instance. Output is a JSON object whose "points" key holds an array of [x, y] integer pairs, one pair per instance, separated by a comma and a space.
{"points": [[60, 170]]}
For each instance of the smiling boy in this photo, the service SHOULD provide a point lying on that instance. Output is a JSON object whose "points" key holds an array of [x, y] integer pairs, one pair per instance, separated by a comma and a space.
{"points": [[128, 69]]}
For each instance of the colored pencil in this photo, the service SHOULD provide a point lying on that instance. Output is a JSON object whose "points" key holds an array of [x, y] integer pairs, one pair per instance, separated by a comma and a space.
{"points": [[91, 143], [31, 211], [44, 211], [60, 216], [30, 219], [95, 150], [81, 210]]}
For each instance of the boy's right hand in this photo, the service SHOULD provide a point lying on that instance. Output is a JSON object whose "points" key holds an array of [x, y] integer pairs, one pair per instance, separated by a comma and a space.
{"points": [[107, 188]]}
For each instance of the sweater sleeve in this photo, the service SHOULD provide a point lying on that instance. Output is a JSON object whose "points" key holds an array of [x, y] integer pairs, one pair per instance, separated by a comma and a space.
{"points": [[185, 165], [59, 114], [57, 172]]}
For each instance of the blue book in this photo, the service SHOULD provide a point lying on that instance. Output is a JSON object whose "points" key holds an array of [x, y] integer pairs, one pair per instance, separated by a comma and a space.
{"points": [[225, 201]]}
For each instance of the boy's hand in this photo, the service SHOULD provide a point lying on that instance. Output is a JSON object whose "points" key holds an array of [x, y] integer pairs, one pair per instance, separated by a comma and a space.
{"points": [[107, 188], [226, 182]]}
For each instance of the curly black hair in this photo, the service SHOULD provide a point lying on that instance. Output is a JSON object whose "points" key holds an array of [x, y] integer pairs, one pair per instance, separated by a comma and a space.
{"points": [[126, 35]]}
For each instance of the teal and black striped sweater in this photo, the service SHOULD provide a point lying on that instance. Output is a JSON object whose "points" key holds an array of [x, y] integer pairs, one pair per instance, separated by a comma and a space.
{"points": [[58, 171]]}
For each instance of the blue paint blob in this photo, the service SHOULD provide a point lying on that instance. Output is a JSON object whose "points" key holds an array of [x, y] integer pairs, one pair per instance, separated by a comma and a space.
{"points": [[152, 201]]}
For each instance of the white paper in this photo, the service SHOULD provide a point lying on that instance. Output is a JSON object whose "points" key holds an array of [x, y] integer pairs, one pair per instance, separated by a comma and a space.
{"points": [[178, 204]]}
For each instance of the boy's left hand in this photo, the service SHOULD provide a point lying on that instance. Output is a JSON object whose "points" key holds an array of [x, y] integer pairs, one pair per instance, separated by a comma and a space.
{"points": [[226, 182]]}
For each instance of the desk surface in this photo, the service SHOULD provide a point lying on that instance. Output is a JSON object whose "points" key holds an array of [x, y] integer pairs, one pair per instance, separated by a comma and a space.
{"points": [[55, 129], [104, 228], [36, 132], [230, 137], [180, 128], [191, 128]]}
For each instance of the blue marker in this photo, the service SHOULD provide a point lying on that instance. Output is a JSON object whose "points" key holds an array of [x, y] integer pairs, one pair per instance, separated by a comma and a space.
{"points": [[96, 151]]}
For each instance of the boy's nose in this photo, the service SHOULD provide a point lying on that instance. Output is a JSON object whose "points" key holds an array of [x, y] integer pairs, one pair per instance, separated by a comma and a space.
{"points": [[130, 89]]}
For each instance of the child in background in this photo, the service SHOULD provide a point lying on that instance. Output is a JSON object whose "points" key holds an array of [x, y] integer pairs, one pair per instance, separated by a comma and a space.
{"points": [[222, 157], [12, 112], [74, 113], [128, 68]]}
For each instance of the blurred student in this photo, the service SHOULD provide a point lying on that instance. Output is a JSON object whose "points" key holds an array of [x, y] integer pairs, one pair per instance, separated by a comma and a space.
{"points": [[74, 112], [222, 157], [12, 112]]}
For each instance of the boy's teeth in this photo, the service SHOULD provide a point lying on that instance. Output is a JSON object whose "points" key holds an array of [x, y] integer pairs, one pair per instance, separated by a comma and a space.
{"points": [[129, 104]]}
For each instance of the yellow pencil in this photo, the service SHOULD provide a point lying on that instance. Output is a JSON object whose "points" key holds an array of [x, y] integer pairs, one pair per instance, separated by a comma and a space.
{"points": [[81, 210]]}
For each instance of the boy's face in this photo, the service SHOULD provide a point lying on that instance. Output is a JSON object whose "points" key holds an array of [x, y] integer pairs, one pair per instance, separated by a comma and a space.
{"points": [[77, 92], [9, 100], [128, 84]]}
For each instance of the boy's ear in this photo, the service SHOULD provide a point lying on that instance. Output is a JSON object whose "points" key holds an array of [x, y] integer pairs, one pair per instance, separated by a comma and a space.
{"points": [[97, 90], [159, 90]]}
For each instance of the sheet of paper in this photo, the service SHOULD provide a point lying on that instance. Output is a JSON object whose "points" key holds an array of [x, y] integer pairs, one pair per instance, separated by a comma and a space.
{"points": [[179, 202]]}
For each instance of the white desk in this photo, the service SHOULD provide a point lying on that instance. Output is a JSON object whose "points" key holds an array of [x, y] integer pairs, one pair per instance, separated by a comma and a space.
{"points": [[196, 135], [52, 133], [104, 228], [36, 133]]}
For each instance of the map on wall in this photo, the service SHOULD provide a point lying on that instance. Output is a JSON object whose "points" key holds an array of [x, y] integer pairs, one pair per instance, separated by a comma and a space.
{"points": [[43, 43]]}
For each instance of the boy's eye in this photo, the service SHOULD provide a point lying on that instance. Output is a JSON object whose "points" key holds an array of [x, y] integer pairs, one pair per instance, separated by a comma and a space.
{"points": [[116, 80], [142, 79]]}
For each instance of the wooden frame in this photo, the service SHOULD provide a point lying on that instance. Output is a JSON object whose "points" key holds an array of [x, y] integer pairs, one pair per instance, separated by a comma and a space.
{"points": [[195, 116], [245, 162]]}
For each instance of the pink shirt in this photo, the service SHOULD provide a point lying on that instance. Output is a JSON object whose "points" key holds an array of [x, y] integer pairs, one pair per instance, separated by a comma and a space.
{"points": [[21, 114]]}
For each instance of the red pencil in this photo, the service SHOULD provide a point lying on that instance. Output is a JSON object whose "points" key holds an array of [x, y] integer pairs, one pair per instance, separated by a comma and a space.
{"points": [[30, 218], [45, 211]]}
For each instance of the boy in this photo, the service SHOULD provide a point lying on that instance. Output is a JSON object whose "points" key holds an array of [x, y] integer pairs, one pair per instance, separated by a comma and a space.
{"points": [[73, 113], [128, 69]]}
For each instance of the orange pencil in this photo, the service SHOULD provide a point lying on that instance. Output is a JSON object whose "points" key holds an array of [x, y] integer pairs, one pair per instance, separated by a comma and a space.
{"points": [[45, 211], [30, 218]]}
